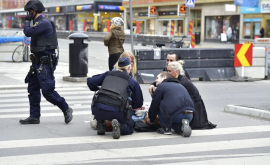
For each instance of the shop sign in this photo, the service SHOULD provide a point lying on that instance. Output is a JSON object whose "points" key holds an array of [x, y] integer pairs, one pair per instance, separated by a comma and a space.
{"points": [[57, 9], [247, 3], [152, 11], [110, 7], [69, 8], [265, 7], [168, 13], [84, 7], [250, 10], [252, 20], [143, 14], [229, 7], [181, 10]]}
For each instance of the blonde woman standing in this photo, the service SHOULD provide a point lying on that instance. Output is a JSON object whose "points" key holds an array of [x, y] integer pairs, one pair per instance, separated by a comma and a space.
{"points": [[114, 40]]}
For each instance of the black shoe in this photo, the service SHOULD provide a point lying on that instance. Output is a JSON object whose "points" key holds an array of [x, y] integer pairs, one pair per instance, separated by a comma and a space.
{"points": [[211, 125], [164, 130], [68, 115], [116, 129], [161, 130], [167, 131], [101, 127], [30, 120]]}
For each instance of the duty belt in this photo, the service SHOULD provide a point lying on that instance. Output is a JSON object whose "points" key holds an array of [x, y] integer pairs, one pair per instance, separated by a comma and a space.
{"points": [[42, 60]]}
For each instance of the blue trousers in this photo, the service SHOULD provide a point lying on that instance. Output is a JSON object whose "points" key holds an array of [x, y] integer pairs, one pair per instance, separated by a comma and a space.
{"points": [[176, 121], [44, 81], [126, 123]]}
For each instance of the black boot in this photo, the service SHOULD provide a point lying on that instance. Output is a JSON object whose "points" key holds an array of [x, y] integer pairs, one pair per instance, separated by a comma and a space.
{"points": [[101, 126], [30, 120], [68, 115], [116, 129]]}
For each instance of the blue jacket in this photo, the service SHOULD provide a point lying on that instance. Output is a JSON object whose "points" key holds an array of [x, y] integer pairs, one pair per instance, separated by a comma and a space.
{"points": [[41, 27], [133, 88], [170, 98]]}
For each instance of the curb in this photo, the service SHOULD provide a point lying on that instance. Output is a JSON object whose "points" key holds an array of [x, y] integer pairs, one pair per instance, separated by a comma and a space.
{"points": [[251, 112]]}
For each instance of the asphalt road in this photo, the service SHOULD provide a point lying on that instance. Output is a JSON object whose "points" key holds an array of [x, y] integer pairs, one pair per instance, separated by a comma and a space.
{"points": [[236, 140]]}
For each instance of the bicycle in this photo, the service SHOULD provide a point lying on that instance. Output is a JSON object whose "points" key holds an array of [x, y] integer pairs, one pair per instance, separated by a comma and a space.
{"points": [[21, 50]]}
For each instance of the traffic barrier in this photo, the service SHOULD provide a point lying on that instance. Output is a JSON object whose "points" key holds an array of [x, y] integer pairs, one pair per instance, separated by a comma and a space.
{"points": [[208, 64], [257, 70]]}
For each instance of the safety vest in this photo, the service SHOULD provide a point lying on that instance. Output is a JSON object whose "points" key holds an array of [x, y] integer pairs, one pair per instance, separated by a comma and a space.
{"points": [[114, 90], [39, 44]]}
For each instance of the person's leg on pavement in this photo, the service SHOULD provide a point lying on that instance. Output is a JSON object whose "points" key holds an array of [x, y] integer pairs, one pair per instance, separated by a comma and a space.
{"points": [[34, 101], [179, 120], [164, 129], [47, 84]]}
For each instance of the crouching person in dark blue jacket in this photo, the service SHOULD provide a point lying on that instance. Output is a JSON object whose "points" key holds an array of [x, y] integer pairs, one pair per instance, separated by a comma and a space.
{"points": [[172, 103], [111, 101]]}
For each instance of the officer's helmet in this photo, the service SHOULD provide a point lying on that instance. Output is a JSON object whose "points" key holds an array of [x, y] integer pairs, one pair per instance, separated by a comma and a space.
{"points": [[35, 5]]}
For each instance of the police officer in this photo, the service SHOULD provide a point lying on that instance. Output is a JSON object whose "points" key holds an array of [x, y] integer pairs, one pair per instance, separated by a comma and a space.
{"points": [[44, 61], [111, 101]]}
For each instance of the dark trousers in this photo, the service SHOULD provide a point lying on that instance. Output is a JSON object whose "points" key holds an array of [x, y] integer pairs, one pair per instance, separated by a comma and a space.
{"points": [[126, 123], [44, 81], [113, 58]]}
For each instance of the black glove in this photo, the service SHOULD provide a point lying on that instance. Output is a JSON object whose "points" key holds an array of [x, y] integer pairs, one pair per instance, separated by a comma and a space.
{"points": [[29, 17]]}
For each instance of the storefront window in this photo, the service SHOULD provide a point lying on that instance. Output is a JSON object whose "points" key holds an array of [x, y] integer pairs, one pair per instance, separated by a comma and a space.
{"points": [[140, 28], [150, 26], [164, 27], [89, 22], [80, 21], [178, 28], [1, 23], [217, 25], [60, 22]]}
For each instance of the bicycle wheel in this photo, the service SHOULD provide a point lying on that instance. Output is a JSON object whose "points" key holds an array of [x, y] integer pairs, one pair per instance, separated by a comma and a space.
{"points": [[18, 53]]}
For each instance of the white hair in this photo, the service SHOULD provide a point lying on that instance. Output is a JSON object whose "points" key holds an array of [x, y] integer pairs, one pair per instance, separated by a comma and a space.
{"points": [[177, 66]]}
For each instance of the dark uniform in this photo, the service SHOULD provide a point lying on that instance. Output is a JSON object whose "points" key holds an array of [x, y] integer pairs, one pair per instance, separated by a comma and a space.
{"points": [[104, 111], [44, 61]]}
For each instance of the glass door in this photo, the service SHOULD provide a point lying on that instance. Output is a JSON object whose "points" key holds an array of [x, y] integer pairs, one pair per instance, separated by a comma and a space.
{"points": [[141, 26], [247, 30], [267, 30], [256, 29]]}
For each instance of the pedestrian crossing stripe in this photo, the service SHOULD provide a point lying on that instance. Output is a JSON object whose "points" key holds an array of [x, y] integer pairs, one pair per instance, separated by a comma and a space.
{"points": [[136, 136], [136, 153]]}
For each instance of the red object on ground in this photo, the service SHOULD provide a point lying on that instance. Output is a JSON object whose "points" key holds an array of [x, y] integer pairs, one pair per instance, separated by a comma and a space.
{"points": [[9, 24], [138, 27], [70, 25], [84, 26]]}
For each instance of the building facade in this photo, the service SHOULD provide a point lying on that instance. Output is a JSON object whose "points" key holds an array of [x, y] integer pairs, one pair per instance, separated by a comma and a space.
{"points": [[72, 15], [216, 20]]}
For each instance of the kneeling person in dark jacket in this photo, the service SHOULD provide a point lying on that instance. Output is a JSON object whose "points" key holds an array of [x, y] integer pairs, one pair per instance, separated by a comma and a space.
{"points": [[172, 103], [111, 101]]}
